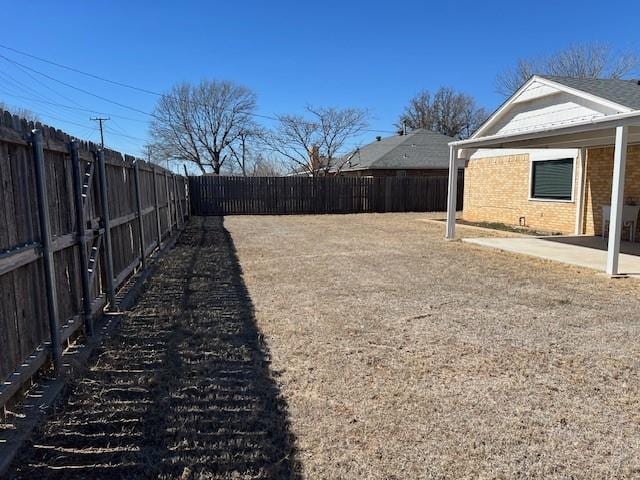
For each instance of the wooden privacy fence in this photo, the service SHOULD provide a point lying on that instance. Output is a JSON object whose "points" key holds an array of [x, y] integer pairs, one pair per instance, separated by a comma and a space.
{"points": [[75, 223], [215, 195]]}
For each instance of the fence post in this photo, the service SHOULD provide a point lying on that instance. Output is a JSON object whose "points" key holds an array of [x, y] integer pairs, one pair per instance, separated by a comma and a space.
{"points": [[81, 237], [136, 177], [155, 200], [178, 202], [102, 176], [47, 251], [187, 193], [166, 184]]}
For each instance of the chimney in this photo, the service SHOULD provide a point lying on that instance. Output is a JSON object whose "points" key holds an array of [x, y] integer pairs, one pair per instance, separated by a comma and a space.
{"points": [[314, 157]]}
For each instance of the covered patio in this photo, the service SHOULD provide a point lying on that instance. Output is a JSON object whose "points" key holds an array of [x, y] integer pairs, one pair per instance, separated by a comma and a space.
{"points": [[617, 130]]}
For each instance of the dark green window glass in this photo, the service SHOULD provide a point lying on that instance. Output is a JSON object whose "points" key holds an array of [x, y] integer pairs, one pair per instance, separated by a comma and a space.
{"points": [[552, 179]]}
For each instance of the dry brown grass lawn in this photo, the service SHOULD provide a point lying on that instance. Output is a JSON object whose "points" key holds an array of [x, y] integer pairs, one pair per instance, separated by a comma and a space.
{"points": [[403, 356]]}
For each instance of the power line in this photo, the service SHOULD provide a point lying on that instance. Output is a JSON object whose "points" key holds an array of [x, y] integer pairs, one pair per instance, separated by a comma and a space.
{"points": [[44, 84], [269, 117], [126, 135], [20, 85], [87, 74], [23, 68], [62, 105], [13, 82], [87, 92]]}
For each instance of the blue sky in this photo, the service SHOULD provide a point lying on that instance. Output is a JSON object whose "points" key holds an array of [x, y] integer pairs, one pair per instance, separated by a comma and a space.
{"points": [[367, 54]]}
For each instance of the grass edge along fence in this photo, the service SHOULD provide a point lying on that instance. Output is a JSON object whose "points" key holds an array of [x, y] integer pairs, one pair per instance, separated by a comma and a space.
{"points": [[76, 222], [220, 195]]}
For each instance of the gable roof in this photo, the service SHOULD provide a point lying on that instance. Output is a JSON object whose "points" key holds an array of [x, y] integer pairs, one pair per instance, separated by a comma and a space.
{"points": [[623, 92], [418, 149], [618, 96]]}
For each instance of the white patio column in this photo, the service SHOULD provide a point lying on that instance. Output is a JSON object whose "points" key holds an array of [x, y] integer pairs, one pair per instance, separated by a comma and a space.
{"points": [[452, 193], [580, 191], [617, 197]]}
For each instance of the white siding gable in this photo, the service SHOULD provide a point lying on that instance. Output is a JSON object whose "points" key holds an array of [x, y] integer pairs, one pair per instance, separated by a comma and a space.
{"points": [[537, 89], [543, 104], [550, 110]]}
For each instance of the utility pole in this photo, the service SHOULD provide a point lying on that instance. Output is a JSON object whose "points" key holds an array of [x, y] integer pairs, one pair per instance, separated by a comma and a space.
{"points": [[101, 120]]}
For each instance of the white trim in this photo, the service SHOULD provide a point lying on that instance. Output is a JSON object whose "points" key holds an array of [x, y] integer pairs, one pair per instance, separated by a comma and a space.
{"points": [[600, 123], [582, 183], [550, 83], [537, 153], [544, 158], [452, 194]]}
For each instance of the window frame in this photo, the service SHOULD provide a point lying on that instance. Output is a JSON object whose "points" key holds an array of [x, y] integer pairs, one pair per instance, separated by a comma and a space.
{"points": [[531, 198]]}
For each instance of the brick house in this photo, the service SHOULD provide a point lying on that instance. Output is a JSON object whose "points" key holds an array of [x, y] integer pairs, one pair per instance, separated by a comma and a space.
{"points": [[561, 155]]}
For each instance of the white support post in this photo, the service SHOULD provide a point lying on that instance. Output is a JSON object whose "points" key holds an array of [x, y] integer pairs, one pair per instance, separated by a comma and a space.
{"points": [[617, 197], [452, 194], [580, 190]]}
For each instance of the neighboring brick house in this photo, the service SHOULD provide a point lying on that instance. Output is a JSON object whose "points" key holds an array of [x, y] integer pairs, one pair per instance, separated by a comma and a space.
{"points": [[554, 190], [417, 153]]}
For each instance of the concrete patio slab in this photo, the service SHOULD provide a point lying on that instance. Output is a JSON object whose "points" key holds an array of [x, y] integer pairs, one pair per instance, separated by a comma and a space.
{"points": [[580, 251]]}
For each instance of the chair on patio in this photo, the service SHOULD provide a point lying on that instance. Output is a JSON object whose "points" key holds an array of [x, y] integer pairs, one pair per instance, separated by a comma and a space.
{"points": [[629, 219]]}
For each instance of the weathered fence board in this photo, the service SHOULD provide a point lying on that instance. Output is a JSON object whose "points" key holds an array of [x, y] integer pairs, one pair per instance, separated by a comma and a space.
{"points": [[75, 216], [216, 195]]}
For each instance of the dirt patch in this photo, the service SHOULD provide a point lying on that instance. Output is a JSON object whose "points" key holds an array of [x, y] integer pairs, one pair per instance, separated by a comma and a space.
{"points": [[401, 355], [183, 389]]}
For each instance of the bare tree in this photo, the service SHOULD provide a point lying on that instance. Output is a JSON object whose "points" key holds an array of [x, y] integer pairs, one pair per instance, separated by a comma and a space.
{"points": [[313, 144], [200, 123], [21, 112], [447, 111], [262, 166], [588, 60]]}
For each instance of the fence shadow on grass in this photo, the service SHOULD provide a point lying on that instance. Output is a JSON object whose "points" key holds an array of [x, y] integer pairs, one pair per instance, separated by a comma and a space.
{"points": [[183, 390]]}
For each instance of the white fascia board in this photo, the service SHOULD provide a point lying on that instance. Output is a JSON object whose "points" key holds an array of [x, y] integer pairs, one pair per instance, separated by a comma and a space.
{"points": [[535, 154], [631, 118]]}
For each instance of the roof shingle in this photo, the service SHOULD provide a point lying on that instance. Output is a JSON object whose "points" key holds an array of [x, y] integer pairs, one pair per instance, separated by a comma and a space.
{"points": [[417, 149], [622, 92]]}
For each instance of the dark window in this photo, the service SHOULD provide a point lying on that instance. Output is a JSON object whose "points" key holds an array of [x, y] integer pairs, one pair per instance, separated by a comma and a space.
{"points": [[552, 179]]}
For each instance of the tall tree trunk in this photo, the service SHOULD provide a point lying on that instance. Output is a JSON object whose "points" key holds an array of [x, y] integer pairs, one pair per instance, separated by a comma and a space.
{"points": [[244, 156], [216, 163]]}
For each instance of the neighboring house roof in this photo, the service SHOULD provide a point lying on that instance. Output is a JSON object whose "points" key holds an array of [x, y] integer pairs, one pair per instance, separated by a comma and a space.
{"points": [[623, 92], [419, 149]]}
